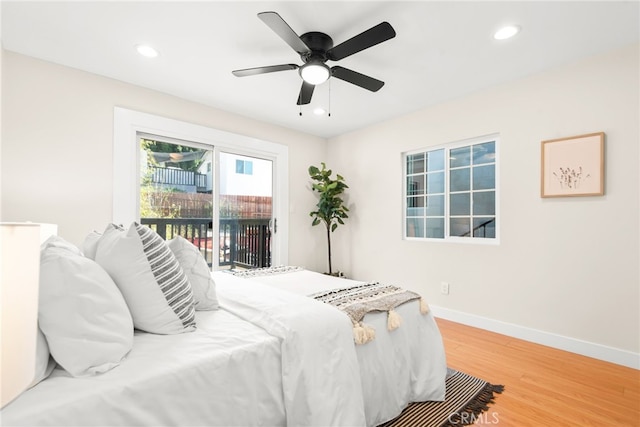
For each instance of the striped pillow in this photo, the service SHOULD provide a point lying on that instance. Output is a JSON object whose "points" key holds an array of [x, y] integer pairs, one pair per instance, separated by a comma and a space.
{"points": [[150, 278]]}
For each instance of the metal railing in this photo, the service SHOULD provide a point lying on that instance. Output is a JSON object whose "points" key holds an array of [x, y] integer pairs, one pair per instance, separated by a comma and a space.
{"points": [[173, 176], [241, 243]]}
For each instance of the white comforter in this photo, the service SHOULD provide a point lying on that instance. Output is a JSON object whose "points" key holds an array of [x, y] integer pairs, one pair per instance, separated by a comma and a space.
{"points": [[226, 373], [396, 368], [320, 375]]}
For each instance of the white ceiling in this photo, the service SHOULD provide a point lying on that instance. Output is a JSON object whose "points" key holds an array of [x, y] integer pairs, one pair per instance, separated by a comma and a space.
{"points": [[443, 50]]}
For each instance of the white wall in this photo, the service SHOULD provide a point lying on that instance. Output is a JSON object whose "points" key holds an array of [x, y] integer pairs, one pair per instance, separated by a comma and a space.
{"points": [[567, 266], [57, 143]]}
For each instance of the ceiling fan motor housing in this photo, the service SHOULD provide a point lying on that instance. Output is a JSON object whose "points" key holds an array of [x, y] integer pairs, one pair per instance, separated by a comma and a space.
{"points": [[318, 43]]}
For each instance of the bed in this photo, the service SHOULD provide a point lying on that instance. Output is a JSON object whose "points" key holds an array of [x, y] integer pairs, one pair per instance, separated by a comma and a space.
{"points": [[267, 353]]}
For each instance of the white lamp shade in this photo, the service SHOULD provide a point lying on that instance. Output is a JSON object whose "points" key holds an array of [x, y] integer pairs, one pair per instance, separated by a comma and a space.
{"points": [[19, 275]]}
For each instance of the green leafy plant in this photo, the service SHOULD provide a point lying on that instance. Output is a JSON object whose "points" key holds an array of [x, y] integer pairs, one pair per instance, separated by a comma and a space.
{"points": [[331, 210]]}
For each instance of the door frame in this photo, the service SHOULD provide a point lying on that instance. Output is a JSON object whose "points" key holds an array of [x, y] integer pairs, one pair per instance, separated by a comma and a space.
{"points": [[128, 124]]}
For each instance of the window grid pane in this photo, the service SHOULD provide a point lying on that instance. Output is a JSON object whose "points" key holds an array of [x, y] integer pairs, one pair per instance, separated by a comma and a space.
{"points": [[435, 160], [415, 163], [415, 227], [415, 206], [435, 228], [435, 183], [460, 179], [484, 177], [484, 153], [460, 226], [415, 185]]}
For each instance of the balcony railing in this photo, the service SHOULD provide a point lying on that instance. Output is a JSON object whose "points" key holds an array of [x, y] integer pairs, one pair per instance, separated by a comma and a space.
{"points": [[241, 243], [173, 176]]}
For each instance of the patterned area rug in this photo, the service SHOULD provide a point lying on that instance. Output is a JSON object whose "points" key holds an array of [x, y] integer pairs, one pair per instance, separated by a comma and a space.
{"points": [[466, 398]]}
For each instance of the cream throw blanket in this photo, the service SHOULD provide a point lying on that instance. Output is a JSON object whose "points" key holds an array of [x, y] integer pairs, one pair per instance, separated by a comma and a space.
{"points": [[359, 300]]}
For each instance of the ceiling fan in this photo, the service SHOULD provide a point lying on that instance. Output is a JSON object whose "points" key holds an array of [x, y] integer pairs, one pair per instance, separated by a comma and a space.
{"points": [[315, 49]]}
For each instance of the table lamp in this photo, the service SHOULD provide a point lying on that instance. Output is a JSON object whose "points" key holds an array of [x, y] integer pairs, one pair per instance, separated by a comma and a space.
{"points": [[19, 279]]}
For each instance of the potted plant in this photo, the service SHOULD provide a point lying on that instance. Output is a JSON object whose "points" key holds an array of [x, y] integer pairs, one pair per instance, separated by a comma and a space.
{"points": [[331, 210]]}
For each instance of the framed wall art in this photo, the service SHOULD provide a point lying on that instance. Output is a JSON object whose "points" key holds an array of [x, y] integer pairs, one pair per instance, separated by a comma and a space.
{"points": [[573, 166]]}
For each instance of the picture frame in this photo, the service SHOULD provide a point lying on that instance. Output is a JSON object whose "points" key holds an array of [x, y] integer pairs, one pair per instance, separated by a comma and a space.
{"points": [[573, 166]]}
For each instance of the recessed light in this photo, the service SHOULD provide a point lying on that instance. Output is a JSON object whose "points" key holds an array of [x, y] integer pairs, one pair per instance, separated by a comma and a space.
{"points": [[146, 50], [506, 32], [318, 111]]}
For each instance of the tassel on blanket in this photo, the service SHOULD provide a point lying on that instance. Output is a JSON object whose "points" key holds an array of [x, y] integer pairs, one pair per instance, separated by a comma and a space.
{"points": [[424, 307], [393, 320], [359, 335], [362, 333], [369, 331]]}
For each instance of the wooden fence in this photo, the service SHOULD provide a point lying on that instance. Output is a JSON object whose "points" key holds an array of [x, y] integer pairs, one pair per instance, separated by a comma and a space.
{"points": [[200, 205]]}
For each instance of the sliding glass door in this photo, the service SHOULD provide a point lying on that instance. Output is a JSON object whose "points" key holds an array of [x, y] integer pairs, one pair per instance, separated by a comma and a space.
{"points": [[220, 201]]}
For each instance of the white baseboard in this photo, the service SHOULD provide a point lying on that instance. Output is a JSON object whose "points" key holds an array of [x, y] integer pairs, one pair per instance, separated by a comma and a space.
{"points": [[585, 348]]}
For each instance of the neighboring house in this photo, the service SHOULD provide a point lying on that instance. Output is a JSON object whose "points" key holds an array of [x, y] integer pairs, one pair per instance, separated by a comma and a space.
{"points": [[240, 175]]}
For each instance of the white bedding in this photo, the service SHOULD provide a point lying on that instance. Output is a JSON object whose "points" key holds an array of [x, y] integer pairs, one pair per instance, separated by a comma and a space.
{"points": [[226, 373], [320, 375], [397, 367]]}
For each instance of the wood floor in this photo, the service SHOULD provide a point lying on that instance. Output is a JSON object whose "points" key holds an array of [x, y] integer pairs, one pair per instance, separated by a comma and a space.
{"points": [[543, 386]]}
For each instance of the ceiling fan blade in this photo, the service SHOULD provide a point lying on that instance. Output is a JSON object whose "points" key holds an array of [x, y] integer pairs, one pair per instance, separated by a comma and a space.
{"points": [[373, 36], [281, 28], [263, 70], [356, 78], [306, 92]]}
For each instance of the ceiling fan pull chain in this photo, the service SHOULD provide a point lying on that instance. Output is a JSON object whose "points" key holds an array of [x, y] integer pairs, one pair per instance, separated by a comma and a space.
{"points": [[329, 113]]}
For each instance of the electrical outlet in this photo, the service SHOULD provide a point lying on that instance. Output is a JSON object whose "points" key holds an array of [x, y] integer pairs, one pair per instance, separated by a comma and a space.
{"points": [[444, 288]]}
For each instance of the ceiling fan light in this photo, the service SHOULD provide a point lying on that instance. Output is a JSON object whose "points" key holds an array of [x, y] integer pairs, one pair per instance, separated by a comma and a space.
{"points": [[315, 73]]}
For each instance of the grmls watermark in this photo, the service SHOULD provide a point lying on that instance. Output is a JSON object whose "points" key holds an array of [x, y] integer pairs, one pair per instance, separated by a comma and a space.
{"points": [[466, 418]]}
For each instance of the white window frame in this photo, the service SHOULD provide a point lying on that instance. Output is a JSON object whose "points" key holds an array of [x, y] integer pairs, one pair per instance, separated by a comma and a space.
{"points": [[447, 147], [129, 124]]}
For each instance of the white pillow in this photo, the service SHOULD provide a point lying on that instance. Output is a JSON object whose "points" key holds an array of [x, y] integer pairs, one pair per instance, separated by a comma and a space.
{"points": [[197, 270], [81, 312], [58, 242], [90, 244], [149, 276]]}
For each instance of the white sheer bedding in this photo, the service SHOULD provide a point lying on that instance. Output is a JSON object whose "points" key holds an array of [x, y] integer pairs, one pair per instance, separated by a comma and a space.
{"points": [[397, 367]]}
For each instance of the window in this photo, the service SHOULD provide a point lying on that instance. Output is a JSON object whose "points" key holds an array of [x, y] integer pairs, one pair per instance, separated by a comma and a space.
{"points": [[244, 167], [451, 192]]}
